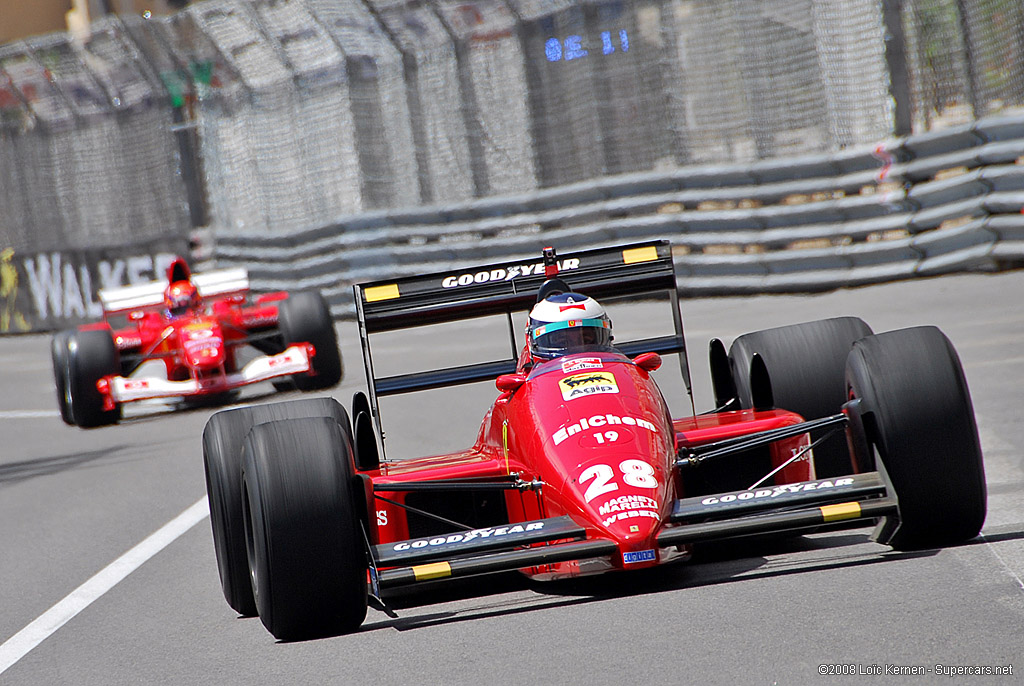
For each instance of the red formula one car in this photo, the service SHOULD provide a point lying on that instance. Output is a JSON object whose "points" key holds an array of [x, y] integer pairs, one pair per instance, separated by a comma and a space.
{"points": [[198, 326], [578, 467]]}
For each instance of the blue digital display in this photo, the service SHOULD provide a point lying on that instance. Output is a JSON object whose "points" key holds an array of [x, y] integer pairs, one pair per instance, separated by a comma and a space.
{"points": [[571, 48]]}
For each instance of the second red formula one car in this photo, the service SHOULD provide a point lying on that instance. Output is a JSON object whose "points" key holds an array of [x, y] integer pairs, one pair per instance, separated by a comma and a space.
{"points": [[198, 326], [578, 467]]}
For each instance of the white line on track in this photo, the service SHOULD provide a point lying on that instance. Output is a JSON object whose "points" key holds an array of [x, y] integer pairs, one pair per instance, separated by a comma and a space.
{"points": [[1007, 567], [18, 645], [28, 414]]}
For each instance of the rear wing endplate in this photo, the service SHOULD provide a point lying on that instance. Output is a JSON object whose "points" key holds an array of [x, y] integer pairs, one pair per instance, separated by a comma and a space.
{"points": [[503, 288]]}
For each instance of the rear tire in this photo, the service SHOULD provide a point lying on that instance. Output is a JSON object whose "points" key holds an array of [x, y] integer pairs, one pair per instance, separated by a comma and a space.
{"points": [[918, 415], [305, 318], [222, 458], [59, 354], [806, 364], [306, 554], [91, 356]]}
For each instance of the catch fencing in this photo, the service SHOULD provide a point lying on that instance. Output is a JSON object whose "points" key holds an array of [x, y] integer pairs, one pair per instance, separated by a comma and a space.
{"points": [[87, 157], [277, 115]]}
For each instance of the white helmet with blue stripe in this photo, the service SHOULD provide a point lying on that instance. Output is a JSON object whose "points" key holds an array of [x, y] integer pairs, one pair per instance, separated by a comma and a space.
{"points": [[565, 323]]}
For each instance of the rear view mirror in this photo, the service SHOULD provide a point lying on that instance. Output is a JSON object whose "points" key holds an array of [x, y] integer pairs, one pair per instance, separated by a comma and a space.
{"points": [[507, 383], [647, 361]]}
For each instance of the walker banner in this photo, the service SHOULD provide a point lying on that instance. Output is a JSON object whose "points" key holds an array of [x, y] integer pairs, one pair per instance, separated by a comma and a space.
{"points": [[52, 290]]}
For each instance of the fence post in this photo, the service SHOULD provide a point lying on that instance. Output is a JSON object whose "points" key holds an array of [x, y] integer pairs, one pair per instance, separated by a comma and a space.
{"points": [[896, 60], [191, 167], [969, 55]]}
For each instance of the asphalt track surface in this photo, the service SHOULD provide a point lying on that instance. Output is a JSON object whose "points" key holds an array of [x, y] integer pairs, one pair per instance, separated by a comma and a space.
{"points": [[72, 502]]}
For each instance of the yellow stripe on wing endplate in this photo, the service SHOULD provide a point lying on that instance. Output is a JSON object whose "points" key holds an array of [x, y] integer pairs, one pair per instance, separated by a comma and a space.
{"points": [[634, 255], [435, 570], [375, 293], [837, 513]]}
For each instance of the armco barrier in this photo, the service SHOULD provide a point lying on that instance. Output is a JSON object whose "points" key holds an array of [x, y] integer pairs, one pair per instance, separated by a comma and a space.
{"points": [[923, 205]]}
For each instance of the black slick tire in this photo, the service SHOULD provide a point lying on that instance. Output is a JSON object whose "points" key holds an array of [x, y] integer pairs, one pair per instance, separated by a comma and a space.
{"points": [[918, 415], [91, 356], [222, 459], [305, 318], [306, 554], [806, 364], [59, 355]]}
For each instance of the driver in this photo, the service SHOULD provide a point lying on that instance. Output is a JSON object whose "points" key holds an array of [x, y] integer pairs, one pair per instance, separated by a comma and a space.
{"points": [[182, 297], [566, 323]]}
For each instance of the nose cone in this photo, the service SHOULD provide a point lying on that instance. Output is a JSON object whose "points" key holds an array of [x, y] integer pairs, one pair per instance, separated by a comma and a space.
{"points": [[625, 496], [608, 442], [203, 346], [632, 519]]}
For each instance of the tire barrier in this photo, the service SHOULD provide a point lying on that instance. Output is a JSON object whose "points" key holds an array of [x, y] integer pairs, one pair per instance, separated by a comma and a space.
{"points": [[922, 205]]}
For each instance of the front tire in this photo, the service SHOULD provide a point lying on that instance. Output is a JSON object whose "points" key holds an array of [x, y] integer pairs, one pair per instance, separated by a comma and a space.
{"points": [[59, 354], [306, 555], [91, 356], [918, 415], [806, 364], [305, 318], [222, 458]]}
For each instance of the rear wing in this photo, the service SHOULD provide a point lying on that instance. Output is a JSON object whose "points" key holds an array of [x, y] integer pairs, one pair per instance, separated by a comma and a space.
{"points": [[641, 269], [217, 283]]}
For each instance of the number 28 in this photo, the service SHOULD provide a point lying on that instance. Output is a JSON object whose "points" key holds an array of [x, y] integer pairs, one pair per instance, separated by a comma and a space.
{"points": [[634, 473]]}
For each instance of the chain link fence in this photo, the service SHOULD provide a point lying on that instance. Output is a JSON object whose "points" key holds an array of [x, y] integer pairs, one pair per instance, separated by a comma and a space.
{"points": [[966, 57], [86, 153], [277, 115]]}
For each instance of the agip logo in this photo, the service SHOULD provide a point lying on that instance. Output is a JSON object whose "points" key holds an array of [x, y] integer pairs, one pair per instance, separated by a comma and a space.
{"points": [[591, 383]]}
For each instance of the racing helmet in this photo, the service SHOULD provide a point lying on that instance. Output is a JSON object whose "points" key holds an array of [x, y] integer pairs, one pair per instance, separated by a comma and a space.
{"points": [[564, 323], [181, 297]]}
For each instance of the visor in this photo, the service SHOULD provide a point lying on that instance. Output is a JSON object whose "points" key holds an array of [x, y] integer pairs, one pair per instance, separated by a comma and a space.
{"points": [[575, 335]]}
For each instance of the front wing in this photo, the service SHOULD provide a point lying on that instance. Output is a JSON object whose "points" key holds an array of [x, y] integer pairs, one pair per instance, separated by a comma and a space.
{"points": [[526, 545], [296, 359]]}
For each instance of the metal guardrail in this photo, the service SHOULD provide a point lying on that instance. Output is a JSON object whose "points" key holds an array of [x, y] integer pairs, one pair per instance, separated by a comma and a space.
{"points": [[919, 206]]}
